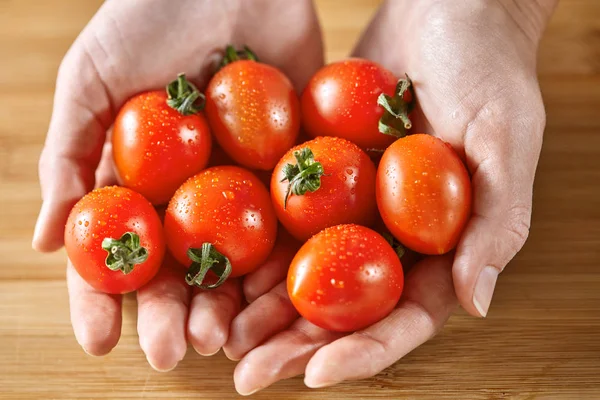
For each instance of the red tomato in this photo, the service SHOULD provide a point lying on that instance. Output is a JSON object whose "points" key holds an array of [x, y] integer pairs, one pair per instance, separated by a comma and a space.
{"points": [[114, 239], [254, 113], [330, 181], [156, 147], [227, 209], [424, 193], [345, 278], [341, 100]]}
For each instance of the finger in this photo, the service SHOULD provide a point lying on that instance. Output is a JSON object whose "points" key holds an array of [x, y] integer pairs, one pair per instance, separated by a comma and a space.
{"points": [[162, 316], [211, 313], [106, 174], [296, 49], [80, 117], [283, 356], [95, 316], [274, 270], [250, 328], [502, 157], [426, 305]]}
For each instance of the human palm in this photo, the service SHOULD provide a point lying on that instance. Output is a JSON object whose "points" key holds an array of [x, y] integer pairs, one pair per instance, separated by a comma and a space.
{"points": [[473, 66], [127, 48]]}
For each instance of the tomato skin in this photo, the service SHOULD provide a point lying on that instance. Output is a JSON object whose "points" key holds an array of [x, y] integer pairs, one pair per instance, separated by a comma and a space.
{"points": [[341, 100], [424, 193], [228, 207], [345, 278], [110, 212], [155, 148], [346, 195], [254, 113]]}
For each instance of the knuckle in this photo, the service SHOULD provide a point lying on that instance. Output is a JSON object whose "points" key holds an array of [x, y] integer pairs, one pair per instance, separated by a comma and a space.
{"points": [[517, 225]]}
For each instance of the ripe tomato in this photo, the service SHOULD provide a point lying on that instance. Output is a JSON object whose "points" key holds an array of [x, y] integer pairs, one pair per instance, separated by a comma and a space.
{"points": [[220, 220], [254, 112], [323, 182], [157, 147], [424, 193], [114, 239], [341, 100], [345, 278]]}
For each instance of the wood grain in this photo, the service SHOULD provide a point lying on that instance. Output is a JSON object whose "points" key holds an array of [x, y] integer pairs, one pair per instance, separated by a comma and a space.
{"points": [[541, 340]]}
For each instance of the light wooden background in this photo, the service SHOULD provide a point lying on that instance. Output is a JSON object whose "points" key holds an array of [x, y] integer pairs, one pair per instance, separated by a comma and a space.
{"points": [[541, 340]]}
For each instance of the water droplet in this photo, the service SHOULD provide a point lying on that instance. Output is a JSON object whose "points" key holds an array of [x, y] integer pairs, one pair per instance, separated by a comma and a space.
{"points": [[86, 224]]}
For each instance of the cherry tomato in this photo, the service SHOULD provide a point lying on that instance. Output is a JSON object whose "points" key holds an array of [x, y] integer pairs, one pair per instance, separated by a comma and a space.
{"points": [[345, 278], [254, 113], [341, 100], [157, 147], [424, 193], [115, 240], [220, 220], [323, 182]]}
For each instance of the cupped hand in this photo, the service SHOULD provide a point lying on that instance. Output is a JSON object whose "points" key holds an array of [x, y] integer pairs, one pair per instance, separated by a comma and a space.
{"points": [[127, 48], [473, 65]]}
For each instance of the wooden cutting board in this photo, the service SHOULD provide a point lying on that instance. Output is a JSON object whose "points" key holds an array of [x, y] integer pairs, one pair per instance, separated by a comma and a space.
{"points": [[540, 341]]}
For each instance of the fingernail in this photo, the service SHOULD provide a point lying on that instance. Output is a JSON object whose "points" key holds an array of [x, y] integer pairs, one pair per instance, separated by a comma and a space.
{"points": [[250, 392], [88, 353], [231, 357], [207, 354], [159, 369], [317, 384], [484, 289]]}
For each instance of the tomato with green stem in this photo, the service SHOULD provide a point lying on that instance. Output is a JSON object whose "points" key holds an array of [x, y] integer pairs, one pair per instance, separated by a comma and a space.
{"points": [[160, 138], [324, 182], [358, 100], [345, 278], [424, 193], [114, 238], [220, 221], [253, 110]]}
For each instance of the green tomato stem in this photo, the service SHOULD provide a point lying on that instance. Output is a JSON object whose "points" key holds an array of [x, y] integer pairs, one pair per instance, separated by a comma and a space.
{"points": [[184, 97], [204, 259], [304, 176], [124, 253], [395, 120]]}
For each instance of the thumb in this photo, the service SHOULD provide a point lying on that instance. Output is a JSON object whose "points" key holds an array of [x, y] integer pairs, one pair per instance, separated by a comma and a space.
{"points": [[502, 145], [80, 118]]}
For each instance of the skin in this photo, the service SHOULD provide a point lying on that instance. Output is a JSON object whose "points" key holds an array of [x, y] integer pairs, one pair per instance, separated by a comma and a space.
{"points": [[228, 207], [342, 198], [423, 193], [155, 148], [473, 64], [96, 77], [345, 278], [254, 112], [341, 100], [110, 212]]}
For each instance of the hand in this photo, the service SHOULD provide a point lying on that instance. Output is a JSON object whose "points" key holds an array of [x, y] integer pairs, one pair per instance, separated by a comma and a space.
{"points": [[127, 48], [473, 66]]}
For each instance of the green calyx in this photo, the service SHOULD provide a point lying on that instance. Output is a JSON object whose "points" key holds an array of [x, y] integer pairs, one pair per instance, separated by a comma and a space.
{"points": [[184, 97], [124, 253], [304, 176], [396, 245], [204, 259], [395, 120], [232, 55]]}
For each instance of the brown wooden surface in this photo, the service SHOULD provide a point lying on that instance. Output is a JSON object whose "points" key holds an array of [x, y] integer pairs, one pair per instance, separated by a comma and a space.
{"points": [[541, 340]]}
